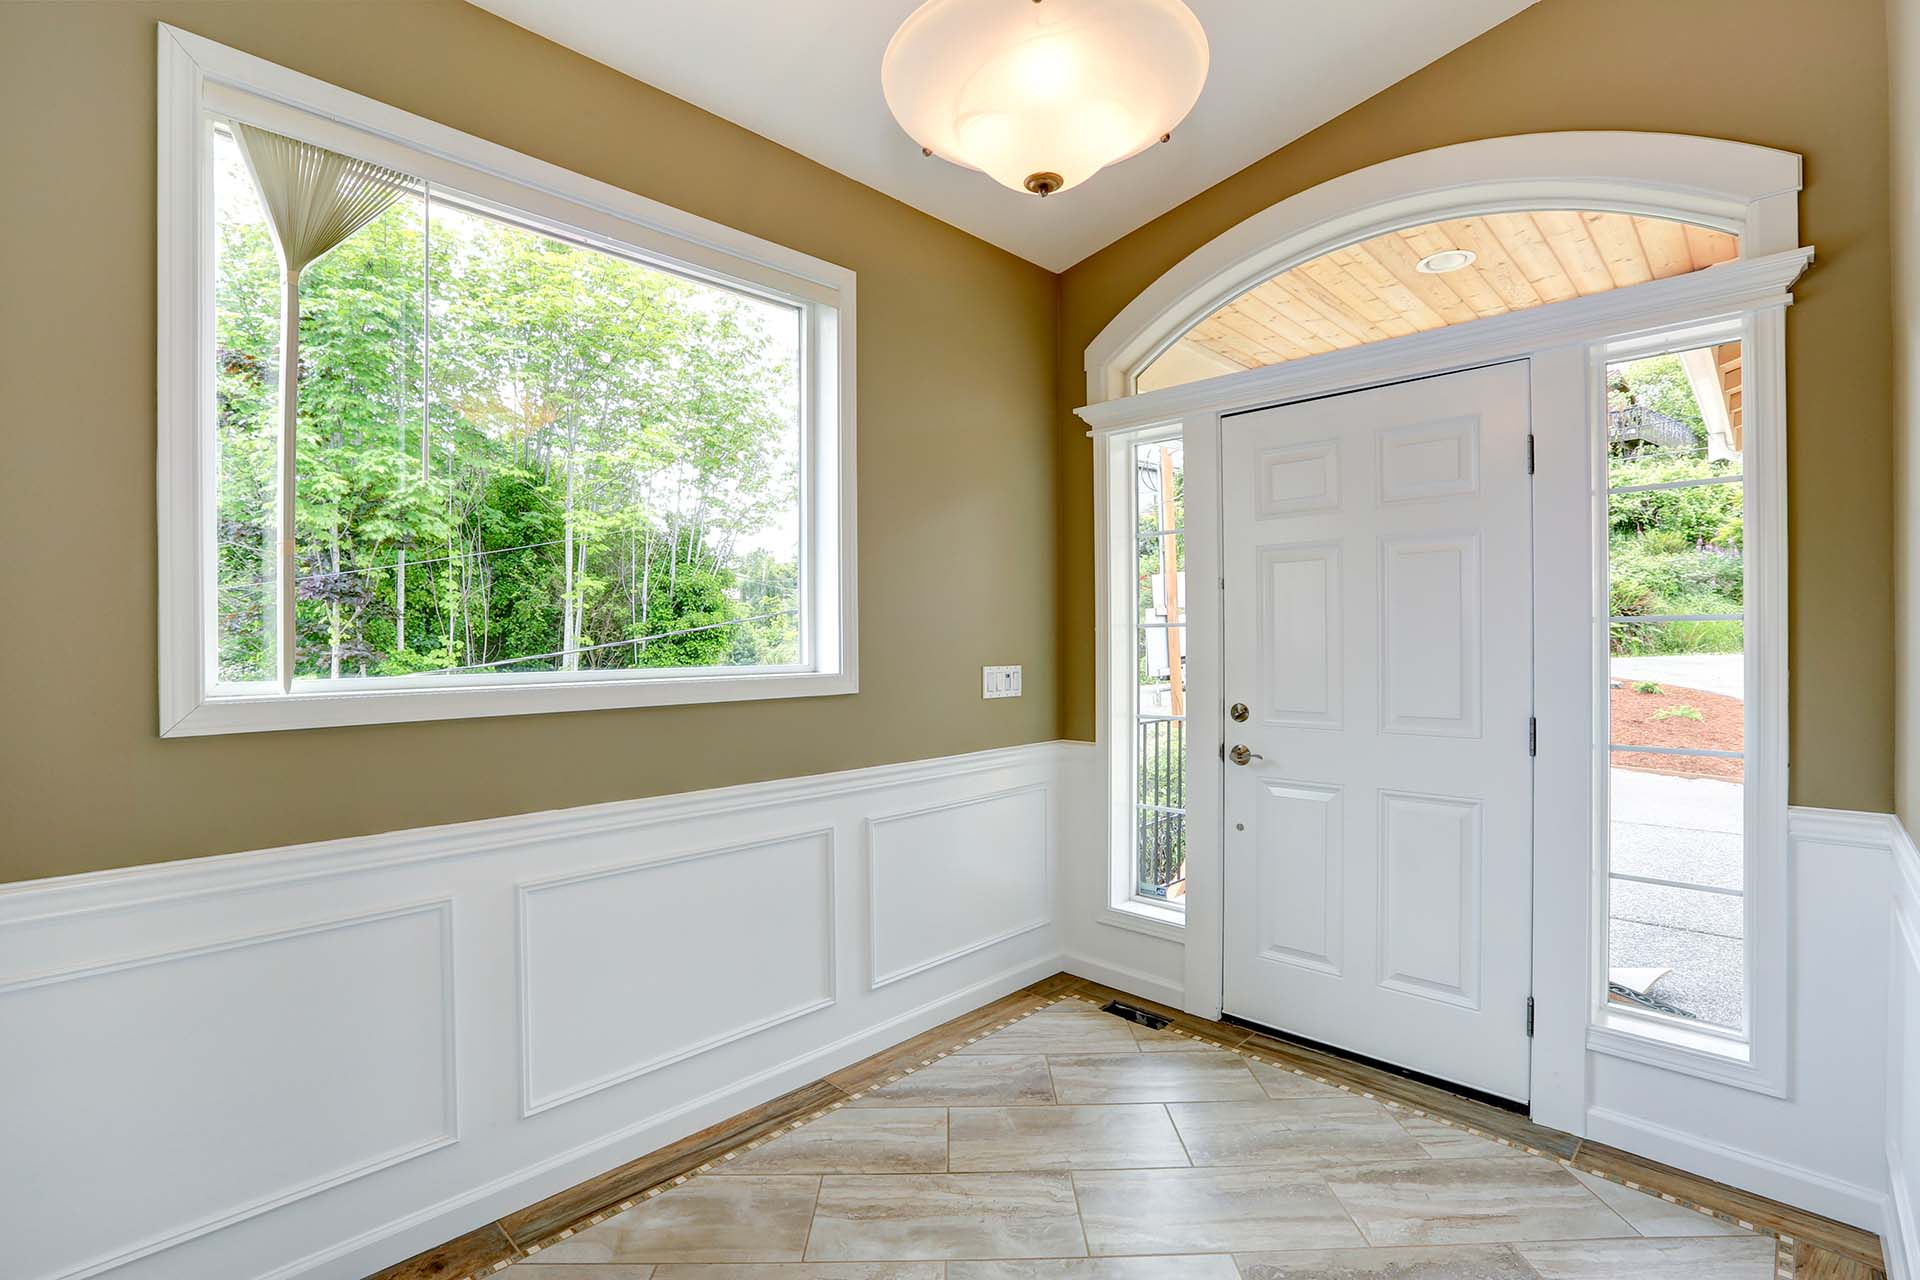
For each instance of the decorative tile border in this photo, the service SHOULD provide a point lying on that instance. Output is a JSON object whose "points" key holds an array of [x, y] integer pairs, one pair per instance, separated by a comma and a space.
{"points": [[1784, 1264]]}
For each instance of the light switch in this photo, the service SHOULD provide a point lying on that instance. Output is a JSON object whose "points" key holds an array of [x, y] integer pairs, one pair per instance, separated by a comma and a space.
{"points": [[999, 682]]}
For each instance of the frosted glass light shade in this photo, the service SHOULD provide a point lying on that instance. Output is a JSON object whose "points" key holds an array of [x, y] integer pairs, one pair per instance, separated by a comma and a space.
{"points": [[1041, 94]]}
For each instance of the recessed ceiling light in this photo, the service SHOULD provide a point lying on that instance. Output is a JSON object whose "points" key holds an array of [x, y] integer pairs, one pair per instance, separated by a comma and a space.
{"points": [[1042, 95], [1438, 264]]}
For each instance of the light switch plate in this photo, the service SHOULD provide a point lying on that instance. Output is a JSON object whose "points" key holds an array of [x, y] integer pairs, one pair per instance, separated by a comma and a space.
{"points": [[999, 682]]}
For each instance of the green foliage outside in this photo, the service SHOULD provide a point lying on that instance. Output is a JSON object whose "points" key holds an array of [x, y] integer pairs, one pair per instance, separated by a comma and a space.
{"points": [[1672, 551], [595, 467]]}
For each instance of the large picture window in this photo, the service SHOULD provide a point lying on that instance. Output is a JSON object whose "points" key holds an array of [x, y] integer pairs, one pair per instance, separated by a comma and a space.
{"points": [[479, 444]]}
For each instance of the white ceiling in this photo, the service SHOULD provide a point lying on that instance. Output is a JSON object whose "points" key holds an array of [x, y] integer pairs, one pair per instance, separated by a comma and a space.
{"points": [[806, 73]]}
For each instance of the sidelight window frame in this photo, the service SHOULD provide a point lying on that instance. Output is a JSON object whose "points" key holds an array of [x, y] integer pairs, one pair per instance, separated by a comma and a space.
{"points": [[1755, 1058], [201, 81]]}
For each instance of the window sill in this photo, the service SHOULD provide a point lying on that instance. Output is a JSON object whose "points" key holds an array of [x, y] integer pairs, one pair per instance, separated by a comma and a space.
{"points": [[327, 708], [1156, 922], [1656, 1043]]}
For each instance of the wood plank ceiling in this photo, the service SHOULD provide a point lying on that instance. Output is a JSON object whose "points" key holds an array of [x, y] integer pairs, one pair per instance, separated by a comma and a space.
{"points": [[1373, 290]]}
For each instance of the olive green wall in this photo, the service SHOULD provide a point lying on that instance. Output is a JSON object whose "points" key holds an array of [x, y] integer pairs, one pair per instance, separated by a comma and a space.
{"points": [[965, 353], [1903, 54], [1810, 78], [955, 367]]}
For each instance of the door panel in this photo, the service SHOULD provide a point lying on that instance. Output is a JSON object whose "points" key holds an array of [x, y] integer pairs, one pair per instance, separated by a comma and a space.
{"points": [[1377, 557]]}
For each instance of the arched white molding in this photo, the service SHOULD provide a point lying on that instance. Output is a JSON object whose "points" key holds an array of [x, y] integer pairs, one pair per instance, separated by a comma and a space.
{"points": [[1735, 186]]}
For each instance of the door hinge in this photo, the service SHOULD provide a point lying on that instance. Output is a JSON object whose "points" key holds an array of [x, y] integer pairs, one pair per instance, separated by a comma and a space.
{"points": [[1529, 1015], [1533, 735], [1529, 453]]}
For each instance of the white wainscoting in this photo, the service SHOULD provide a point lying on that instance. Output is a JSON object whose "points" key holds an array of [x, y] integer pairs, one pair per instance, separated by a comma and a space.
{"points": [[314, 1061], [991, 854], [1100, 943], [1901, 1235], [1823, 1145]]}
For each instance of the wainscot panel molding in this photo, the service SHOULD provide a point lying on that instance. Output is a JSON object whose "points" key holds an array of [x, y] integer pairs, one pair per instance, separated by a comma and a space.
{"points": [[219, 1055], [584, 937], [946, 880], [318, 1060]]}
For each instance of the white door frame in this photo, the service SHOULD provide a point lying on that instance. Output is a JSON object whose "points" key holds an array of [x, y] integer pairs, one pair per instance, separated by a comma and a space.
{"points": [[1751, 191]]}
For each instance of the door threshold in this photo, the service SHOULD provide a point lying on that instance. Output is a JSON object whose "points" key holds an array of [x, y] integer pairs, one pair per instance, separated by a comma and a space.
{"points": [[1380, 1064]]}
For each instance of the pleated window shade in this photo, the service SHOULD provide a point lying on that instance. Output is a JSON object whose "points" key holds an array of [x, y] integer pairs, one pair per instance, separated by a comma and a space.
{"points": [[314, 199]]}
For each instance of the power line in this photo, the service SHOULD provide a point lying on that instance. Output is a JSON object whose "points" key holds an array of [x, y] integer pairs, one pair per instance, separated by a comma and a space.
{"points": [[411, 564], [617, 644]]}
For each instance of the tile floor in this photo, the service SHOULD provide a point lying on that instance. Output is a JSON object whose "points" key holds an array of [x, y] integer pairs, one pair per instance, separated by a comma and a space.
{"points": [[1071, 1145]]}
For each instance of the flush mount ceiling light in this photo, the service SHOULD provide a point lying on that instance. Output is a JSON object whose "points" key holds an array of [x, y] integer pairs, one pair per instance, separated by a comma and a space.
{"points": [[1042, 94], [1438, 264]]}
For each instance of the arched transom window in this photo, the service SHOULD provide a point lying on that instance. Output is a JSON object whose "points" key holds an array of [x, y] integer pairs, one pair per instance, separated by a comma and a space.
{"points": [[1432, 276]]}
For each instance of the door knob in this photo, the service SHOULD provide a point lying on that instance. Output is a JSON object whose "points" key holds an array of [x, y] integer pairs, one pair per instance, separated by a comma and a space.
{"points": [[1240, 755]]}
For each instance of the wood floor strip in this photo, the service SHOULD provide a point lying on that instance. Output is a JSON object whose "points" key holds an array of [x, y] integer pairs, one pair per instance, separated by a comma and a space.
{"points": [[1221, 1033], [536, 1223], [912, 1053], [1822, 1248], [1810, 1262], [1808, 1229], [478, 1253]]}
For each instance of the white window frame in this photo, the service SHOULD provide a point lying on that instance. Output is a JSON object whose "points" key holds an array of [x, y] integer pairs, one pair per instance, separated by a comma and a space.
{"points": [[1756, 1060], [1115, 517], [198, 77]]}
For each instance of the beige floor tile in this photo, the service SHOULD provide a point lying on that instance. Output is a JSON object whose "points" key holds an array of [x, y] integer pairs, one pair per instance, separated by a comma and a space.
{"points": [[1421, 1262], [1472, 1201], [1448, 1142], [795, 1271], [1281, 1082], [1110, 1137], [581, 1271], [854, 1140], [1652, 1216], [1292, 1132], [1014, 1081], [1187, 1266], [1210, 1211], [1057, 1030], [744, 1219], [958, 1215], [1747, 1257], [1211, 1076], [1167, 1041]]}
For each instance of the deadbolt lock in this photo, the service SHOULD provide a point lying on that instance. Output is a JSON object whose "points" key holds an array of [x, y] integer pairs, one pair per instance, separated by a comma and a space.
{"points": [[1238, 711]]}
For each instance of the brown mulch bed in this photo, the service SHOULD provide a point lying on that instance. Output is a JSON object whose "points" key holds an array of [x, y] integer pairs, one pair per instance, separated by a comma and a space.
{"points": [[1721, 727]]}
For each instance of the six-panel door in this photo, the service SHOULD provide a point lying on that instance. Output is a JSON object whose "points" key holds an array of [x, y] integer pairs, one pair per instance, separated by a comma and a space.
{"points": [[1377, 555]]}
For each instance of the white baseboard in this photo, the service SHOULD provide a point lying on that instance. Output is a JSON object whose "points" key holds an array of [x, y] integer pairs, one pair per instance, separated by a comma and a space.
{"points": [[1900, 1239], [1862, 1206], [421, 1031], [1124, 979]]}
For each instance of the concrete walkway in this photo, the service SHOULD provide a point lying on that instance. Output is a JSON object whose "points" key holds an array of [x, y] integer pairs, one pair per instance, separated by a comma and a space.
{"points": [[1721, 673], [1686, 830]]}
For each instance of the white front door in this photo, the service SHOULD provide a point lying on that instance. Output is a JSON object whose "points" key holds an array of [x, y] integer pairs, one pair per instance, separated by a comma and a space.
{"points": [[1378, 623]]}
